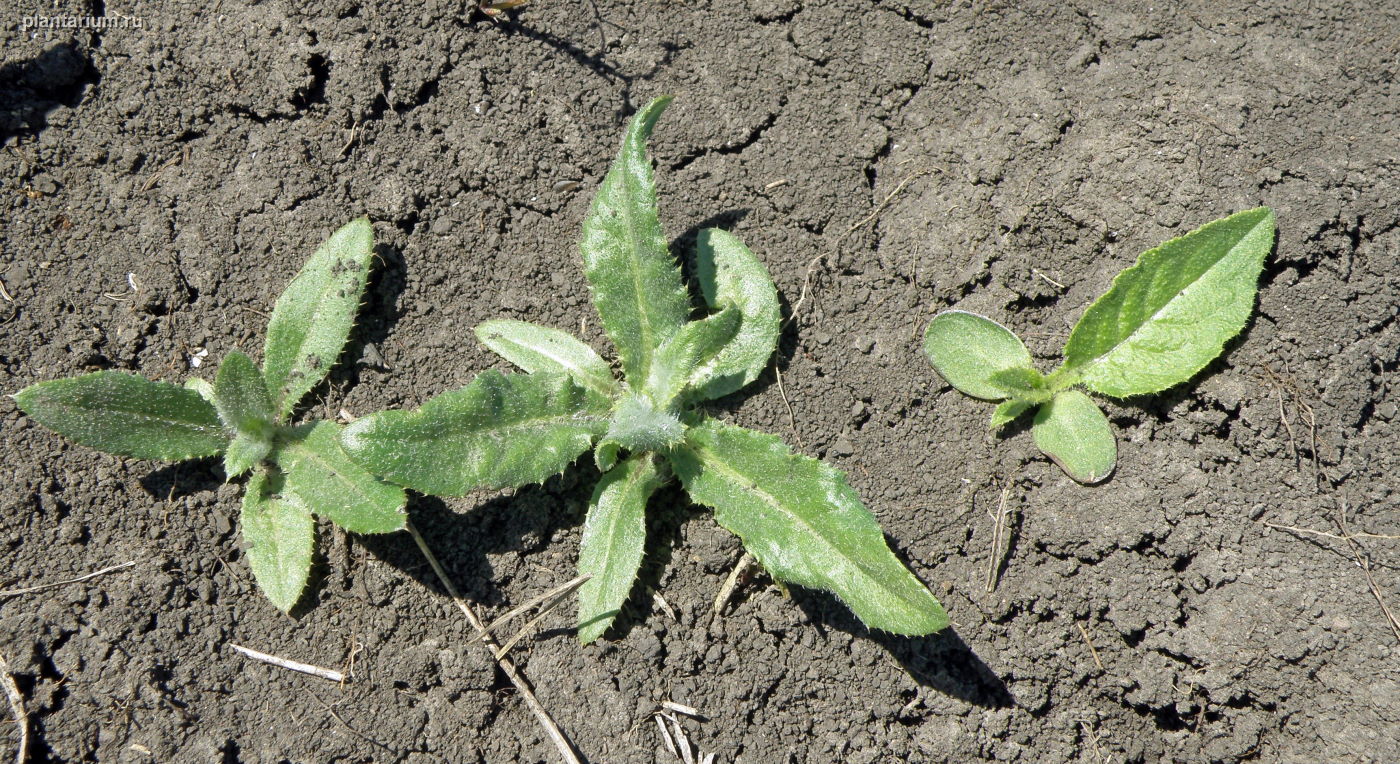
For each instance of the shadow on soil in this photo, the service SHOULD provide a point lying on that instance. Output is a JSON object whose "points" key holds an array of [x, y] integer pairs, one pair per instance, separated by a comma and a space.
{"points": [[942, 661]]}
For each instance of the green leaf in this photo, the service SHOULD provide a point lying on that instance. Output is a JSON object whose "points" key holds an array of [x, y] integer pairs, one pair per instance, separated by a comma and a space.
{"points": [[613, 539], [636, 283], [1006, 411], [1072, 430], [313, 317], [638, 425], [605, 454], [694, 346], [1019, 381], [804, 523], [730, 274], [968, 350], [1169, 315], [244, 453], [537, 348], [280, 535], [240, 397], [502, 430], [205, 390], [331, 485], [127, 415]]}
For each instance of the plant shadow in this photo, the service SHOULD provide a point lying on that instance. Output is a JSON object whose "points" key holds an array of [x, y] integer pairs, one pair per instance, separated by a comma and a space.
{"points": [[182, 479], [30, 89], [379, 311], [940, 661], [525, 521]]}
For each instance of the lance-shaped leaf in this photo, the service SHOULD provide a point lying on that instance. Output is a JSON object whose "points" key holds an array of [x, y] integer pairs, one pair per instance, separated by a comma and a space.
{"points": [[313, 317], [1072, 430], [729, 274], [500, 431], [970, 350], [693, 346], [614, 535], [240, 397], [333, 486], [537, 348], [804, 523], [127, 415], [280, 535], [1169, 315], [636, 283]]}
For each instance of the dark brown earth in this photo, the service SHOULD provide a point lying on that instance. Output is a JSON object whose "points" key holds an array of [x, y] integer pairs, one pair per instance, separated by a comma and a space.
{"points": [[161, 185]]}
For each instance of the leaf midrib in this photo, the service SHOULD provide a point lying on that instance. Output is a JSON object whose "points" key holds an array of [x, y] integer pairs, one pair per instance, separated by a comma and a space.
{"points": [[300, 451], [708, 457], [1084, 367], [143, 416], [629, 212], [526, 426], [629, 483], [583, 374]]}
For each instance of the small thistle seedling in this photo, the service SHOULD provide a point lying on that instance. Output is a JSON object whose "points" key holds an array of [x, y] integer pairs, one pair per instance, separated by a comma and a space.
{"points": [[1160, 322], [297, 471], [796, 515]]}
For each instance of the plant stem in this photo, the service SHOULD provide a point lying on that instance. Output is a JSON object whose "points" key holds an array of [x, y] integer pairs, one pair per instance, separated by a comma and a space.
{"points": [[566, 751]]}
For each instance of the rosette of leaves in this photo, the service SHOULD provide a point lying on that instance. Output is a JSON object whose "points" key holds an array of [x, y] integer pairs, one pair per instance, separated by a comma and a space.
{"points": [[796, 515], [1160, 323], [298, 470]]}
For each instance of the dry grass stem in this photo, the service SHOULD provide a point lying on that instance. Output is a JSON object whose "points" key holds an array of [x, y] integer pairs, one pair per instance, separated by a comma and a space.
{"points": [[42, 587], [792, 418], [556, 592], [731, 582], [671, 705], [529, 626], [994, 556], [16, 708], [1093, 652], [566, 750], [291, 665]]}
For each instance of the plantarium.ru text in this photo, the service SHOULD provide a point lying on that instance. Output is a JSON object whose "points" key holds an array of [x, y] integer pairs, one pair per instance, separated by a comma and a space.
{"points": [[298, 470], [1162, 321], [796, 515]]}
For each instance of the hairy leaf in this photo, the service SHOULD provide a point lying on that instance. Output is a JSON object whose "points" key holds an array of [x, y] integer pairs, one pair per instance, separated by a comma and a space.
{"points": [[636, 283], [127, 415], [804, 523], [605, 454], [280, 535], [614, 535], [1072, 430], [240, 397], [502, 430], [1021, 382], [205, 390], [244, 453], [537, 348], [730, 274], [1169, 315], [638, 425], [335, 487], [969, 350], [690, 348], [1006, 411], [313, 317]]}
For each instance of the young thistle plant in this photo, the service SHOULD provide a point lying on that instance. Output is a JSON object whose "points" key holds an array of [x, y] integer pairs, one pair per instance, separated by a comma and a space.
{"points": [[297, 470], [1159, 324], [796, 515]]}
